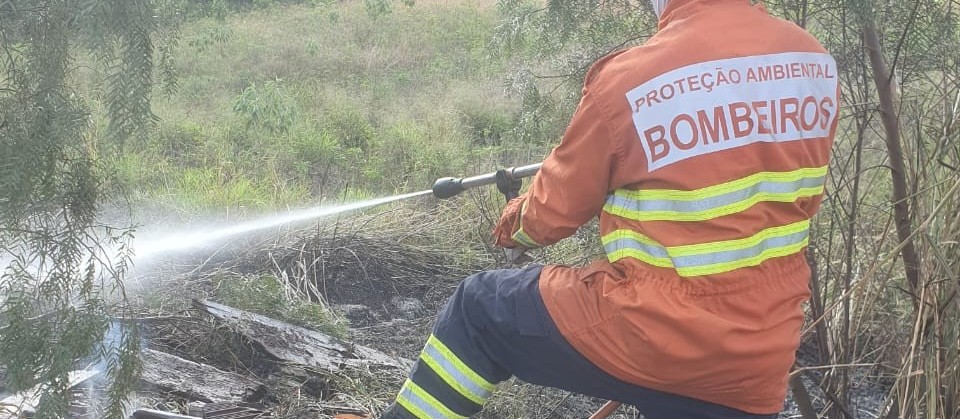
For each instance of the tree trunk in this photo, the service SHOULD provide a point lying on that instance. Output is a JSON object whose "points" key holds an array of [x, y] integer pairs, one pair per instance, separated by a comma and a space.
{"points": [[891, 126]]}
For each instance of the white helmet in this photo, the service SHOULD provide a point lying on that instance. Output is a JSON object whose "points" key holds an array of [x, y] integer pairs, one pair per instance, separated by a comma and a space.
{"points": [[658, 6]]}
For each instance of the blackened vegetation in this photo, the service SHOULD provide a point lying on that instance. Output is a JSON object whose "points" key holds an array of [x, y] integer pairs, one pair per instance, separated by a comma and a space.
{"points": [[365, 270], [384, 286]]}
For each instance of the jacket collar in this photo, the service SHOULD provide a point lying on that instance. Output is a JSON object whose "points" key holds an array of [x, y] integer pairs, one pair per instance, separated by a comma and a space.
{"points": [[680, 9]]}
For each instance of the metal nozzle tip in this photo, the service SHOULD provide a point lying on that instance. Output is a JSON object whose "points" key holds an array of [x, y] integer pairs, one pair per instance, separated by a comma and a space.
{"points": [[447, 187]]}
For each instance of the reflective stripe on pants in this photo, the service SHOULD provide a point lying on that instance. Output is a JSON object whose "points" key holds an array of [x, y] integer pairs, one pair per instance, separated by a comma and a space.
{"points": [[496, 325]]}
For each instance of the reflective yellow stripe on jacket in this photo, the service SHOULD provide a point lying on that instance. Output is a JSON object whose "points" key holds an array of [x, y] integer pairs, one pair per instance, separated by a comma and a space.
{"points": [[718, 200], [709, 258], [706, 204]]}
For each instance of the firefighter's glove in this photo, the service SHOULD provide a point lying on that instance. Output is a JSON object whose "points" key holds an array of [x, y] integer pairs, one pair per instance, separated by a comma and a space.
{"points": [[510, 188]]}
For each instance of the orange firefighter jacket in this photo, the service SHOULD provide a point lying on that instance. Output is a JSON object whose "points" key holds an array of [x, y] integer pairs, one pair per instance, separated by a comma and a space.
{"points": [[704, 153]]}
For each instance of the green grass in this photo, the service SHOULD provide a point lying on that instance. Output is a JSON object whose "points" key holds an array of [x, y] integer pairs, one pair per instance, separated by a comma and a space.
{"points": [[266, 295], [298, 103]]}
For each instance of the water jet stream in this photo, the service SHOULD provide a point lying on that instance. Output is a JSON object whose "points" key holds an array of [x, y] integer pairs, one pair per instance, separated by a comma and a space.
{"points": [[185, 241]]}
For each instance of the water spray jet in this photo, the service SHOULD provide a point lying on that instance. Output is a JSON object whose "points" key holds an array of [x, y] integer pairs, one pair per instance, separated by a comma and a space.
{"points": [[443, 188], [187, 241]]}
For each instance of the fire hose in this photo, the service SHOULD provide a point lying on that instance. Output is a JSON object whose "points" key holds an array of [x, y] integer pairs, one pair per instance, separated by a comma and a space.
{"points": [[508, 181]]}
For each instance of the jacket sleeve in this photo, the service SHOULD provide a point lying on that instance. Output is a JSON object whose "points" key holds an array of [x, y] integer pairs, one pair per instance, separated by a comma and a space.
{"points": [[571, 186]]}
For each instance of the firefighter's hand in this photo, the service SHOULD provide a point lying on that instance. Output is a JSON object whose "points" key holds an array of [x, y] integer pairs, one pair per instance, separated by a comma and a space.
{"points": [[510, 188]]}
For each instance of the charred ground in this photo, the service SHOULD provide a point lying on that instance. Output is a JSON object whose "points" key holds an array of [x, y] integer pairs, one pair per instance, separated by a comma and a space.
{"points": [[366, 282]]}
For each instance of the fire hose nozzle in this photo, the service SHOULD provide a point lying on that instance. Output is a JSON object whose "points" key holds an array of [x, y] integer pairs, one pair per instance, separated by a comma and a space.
{"points": [[447, 187]]}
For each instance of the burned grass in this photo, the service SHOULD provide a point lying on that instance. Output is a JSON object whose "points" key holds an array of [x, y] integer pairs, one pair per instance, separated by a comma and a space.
{"points": [[380, 290], [374, 276]]}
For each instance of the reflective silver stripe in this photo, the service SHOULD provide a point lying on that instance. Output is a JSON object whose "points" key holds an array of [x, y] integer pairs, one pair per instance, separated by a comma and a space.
{"points": [[410, 397], [708, 258], [740, 254], [711, 257], [477, 394], [631, 243], [715, 201]]}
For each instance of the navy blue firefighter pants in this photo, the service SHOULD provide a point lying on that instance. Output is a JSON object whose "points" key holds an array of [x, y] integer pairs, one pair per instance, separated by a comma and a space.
{"points": [[496, 326]]}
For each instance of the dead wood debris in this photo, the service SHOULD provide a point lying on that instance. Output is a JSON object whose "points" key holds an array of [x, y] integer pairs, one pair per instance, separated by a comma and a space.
{"points": [[300, 346], [292, 359], [195, 381]]}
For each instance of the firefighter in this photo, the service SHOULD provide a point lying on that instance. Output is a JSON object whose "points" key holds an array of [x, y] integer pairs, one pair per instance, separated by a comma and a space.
{"points": [[703, 152]]}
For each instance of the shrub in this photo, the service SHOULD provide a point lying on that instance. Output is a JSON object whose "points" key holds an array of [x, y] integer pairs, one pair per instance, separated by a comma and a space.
{"points": [[349, 126], [270, 107], [486, 125], [214, 36]]}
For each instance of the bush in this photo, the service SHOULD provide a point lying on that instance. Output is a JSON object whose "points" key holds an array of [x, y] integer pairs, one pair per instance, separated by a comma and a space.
{"points": [[270, 107], [486, 126], [349, 126], [213, 36], [409, 153]]}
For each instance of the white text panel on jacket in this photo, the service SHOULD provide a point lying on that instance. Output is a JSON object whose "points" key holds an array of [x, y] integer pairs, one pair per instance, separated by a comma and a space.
{"points": [[719, 105]]}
